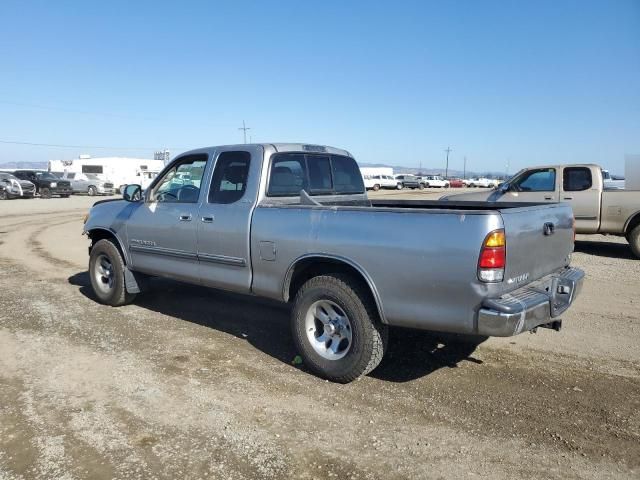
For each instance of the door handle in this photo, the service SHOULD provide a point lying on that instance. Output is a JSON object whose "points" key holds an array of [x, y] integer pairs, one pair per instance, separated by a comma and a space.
{"points": [[185, 218], [207, 219], [548, 198], [568, 198]]}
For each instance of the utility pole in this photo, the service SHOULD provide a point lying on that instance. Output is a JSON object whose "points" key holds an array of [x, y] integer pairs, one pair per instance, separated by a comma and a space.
{"points": [[244, 129], [448, 150], [507, 168], [464, 172]]}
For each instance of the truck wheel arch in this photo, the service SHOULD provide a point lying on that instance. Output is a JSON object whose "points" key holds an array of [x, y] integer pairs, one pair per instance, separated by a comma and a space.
{"points": [[312, 265], [97, 234], [633, 222]]}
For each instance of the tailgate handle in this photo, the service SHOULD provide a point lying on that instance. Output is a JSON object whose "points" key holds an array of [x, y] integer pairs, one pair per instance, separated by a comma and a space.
{"points": [[568, 198], [549, 228]]}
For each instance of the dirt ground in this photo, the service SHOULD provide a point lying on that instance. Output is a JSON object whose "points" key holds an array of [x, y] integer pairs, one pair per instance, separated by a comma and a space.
{"points": [[195, 383]]}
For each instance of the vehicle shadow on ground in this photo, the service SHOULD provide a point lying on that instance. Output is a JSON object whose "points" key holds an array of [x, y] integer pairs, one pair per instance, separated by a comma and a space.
{"points": [[265, 325], [605, 249], [413, 354]]}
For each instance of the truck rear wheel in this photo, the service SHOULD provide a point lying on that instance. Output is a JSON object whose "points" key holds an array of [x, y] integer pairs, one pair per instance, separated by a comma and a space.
{"points": [[634, 241], [92, 191], [376, 187], [106, 270], [336, 328]]}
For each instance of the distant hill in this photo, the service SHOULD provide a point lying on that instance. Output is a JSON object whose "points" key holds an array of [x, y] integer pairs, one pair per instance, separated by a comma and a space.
{"points": [[24, 165]]}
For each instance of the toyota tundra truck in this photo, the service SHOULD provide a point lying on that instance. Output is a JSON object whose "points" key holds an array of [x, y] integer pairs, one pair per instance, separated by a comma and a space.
{"points": [[292, 222]]}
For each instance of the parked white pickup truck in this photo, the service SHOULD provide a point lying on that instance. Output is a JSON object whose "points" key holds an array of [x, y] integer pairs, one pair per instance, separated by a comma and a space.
{"points": [[293, 223], [480, 182], [435, 181]]}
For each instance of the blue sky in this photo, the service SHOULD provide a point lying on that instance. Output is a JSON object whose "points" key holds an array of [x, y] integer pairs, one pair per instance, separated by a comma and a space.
{"points": [[393, 82]]}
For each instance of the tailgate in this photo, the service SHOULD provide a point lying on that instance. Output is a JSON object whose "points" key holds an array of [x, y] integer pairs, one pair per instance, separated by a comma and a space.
{"points": [[539, 242]]}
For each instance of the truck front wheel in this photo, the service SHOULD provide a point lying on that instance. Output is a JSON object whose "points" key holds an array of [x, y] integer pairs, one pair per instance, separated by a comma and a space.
{"points": [[634, 241], [106, 269], [336, 328]]}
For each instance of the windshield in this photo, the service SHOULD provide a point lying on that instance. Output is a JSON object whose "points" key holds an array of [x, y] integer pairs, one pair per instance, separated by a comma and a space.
{"points": [[46, 176]]}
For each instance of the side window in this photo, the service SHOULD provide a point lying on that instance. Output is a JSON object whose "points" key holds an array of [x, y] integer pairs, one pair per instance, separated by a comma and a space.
{"points": [[543, 180], [230, 177], [181, 184], [576, 179], [288, 175], [71, 176]]}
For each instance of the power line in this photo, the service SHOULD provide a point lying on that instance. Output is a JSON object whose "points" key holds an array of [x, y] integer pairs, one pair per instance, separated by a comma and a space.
{"points": [[72, 110], [448, 150], [57, 145], [244, 129]]}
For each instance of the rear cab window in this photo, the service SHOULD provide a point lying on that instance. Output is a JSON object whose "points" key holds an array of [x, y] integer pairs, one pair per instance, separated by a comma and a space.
{"points": [[317, 174], [576, 179]]}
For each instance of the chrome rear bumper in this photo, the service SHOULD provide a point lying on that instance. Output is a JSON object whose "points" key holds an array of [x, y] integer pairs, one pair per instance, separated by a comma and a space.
{"points": [[531, 306]]}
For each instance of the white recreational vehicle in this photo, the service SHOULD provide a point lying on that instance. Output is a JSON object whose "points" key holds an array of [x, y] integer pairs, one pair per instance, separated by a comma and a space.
{"points": [[121, 171]]}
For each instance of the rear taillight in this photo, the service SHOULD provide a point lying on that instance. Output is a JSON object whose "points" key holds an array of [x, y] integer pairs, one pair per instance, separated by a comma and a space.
{"points": [[493, 257]]}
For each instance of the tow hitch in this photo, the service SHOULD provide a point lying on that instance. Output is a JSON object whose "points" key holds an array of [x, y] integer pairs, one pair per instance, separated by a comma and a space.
{"points": [[555, 325]]}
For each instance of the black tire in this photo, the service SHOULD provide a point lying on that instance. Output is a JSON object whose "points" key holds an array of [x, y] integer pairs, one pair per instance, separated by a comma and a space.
{"points": [[446, 185], [369, 335], [3, 195], [116, 294], [376, 187], [421, 186], [64, 196], [92, 191], [633, 237], [400, 186], [45, 193]]}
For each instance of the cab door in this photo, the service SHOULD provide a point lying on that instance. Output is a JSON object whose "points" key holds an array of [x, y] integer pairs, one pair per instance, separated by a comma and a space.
{"points": [[161, 231], [224, 220], [538, 185], [580, 189]]}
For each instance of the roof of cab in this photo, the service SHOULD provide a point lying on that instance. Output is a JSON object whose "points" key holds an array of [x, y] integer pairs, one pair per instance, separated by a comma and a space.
{"points": [[282, 147]]}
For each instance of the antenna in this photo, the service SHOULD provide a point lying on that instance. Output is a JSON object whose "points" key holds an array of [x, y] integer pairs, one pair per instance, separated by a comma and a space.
{"points": [[244, 129]]}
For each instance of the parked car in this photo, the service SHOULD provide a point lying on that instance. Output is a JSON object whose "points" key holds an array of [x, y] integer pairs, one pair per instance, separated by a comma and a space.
{"points": [[612, 182], [597, 209], [89, 183], [435, 181], [456, 183], [410, 181], [481, 182], [46, 184], [386, 181], [13, 187], [293, 223]]}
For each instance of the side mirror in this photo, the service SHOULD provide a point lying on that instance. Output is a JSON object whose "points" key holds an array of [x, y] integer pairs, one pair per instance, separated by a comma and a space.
{"points": [[132, 193]]}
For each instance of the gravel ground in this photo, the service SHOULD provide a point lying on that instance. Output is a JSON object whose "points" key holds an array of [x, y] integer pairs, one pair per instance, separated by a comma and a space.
{"points": [[194, 383]]}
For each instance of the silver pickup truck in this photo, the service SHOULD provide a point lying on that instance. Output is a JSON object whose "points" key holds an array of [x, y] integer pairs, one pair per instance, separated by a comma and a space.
{"points": [[292, 222]]}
